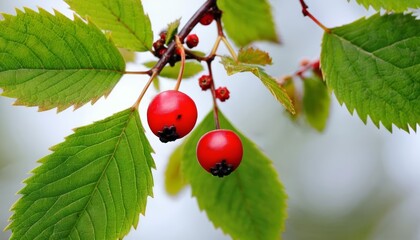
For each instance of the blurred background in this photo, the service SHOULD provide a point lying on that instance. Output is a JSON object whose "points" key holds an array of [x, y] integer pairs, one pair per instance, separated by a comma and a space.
{"points": [[350, 182]]}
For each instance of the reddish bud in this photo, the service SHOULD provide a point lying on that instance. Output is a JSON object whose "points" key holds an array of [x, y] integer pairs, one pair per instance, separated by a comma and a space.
{"points": [[222, 93], [205, 82], [162, 35], [162, 51], [159, 44]]}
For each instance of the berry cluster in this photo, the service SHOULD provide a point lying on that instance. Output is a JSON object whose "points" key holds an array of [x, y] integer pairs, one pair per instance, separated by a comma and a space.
{"points": [[172, 114], [160, 47]]}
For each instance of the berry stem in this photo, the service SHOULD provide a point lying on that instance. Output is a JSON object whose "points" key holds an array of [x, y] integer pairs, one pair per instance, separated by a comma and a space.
{"points": [[213, 95], [305, 68], [230, 48], [305, 13], [221, 35], [181, 69], [154, 74]]}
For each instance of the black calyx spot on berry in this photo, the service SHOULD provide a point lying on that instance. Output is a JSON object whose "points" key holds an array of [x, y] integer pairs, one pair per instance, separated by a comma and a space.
{"points": [[168, 134], [221, 169]]}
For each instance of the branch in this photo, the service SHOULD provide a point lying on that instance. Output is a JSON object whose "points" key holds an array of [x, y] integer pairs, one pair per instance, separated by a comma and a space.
{"points": [[184, 33]]}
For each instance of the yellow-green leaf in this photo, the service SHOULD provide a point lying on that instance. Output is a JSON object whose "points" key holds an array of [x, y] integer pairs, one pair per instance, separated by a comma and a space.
{"points": [[278, 91]]}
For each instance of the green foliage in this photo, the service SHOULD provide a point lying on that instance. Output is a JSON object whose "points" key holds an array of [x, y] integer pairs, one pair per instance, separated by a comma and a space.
{"points": [[279, 93], [250, 203], [391, 5], [50, 61], [174, 180], [316, 102], [252, 55], [172, 30], [129, 25], [190, 69], [93, 186], [247, 21], [373, 67]]}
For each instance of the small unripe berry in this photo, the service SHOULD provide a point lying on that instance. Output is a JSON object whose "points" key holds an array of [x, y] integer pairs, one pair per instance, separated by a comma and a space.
{"points": [[222, 93], [220, 152], [192, 40], [207, 18], [171, 115], [205, 82]]}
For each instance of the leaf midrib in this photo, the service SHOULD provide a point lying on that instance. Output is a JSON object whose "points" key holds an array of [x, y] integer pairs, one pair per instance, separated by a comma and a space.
{"points": [[105, 169]]}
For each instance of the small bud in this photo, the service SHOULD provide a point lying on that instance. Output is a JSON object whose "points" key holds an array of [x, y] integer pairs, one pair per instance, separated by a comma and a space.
{"points": [[205, 82], [222, 93]]}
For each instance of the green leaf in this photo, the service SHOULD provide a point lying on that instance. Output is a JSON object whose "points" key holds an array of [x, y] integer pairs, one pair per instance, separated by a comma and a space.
{"points": [[248, 204], [279, 92], [50, 61], [190, 70], [252, 55], [126, 19], [247, 21], [316, 102], [391, 5], [93, 186], [172, 31], [128, 55], [174, 181], [373, 66]]}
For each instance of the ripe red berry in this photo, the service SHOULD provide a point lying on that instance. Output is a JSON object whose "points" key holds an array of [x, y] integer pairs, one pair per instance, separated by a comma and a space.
{"points": [[220, 152], [192, 40], [222, 93], [205, 82], [171, 115], [207, 18]]}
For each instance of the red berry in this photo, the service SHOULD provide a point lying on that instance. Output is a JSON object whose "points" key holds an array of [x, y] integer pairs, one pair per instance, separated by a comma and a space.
{"points": [[207, 18], [220, 152], [171, 115], [205, 82], [222, 93], [192, 40]]}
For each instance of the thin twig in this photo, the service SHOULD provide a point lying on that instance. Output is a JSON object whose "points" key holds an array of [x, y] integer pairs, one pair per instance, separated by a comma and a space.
{"points": [[305, 13]]}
